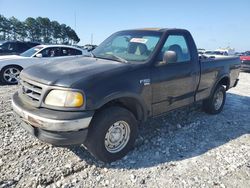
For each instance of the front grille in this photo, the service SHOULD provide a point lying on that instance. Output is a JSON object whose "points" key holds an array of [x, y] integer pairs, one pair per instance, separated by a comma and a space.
{"points": [[31, 91]]}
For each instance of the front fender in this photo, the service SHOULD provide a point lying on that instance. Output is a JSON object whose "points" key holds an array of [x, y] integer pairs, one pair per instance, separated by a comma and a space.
{"points": [[119, 95], [14, 62]]}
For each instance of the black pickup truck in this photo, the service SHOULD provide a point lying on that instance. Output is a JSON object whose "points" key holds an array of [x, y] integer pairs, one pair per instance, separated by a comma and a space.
{"points": [[101, 100]]}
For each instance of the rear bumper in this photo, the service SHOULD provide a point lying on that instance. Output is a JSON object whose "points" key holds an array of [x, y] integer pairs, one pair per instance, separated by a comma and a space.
{"points": [[245, 66], [66, 128]]}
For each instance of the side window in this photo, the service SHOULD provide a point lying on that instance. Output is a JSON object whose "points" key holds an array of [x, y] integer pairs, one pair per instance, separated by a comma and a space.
{"points": [[11, 46], [178, 44], [78, 52], [70, 51], [5, 46], [21, 47], [51, 52], [66, 52], [8, 46]]}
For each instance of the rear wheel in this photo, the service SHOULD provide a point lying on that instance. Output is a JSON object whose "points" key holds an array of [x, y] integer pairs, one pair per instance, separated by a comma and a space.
{"points": [[112, 134], [10, 74], [215, 103]]}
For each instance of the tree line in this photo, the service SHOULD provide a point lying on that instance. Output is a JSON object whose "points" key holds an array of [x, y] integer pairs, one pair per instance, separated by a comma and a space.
{"points": [[36, 30]]}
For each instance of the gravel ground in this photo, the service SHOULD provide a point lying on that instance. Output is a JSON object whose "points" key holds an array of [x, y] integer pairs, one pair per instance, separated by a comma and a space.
{"points": [[185, 148]]}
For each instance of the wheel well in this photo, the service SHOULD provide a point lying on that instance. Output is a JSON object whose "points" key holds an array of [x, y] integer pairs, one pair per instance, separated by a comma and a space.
{"points": [[131, 104], [225, 82], [13, 65]]}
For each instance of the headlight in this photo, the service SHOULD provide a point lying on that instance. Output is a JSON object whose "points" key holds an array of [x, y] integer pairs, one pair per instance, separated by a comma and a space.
{"points": [[63, 98]]}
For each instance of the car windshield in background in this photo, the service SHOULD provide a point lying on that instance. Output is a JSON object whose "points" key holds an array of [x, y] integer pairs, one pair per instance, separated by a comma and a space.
{"points": [[128, 46], [247, 53], [31, 51]]}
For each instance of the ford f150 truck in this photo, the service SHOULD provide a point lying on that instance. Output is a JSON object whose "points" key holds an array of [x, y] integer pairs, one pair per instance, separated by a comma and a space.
{"points": [[101, 100]]}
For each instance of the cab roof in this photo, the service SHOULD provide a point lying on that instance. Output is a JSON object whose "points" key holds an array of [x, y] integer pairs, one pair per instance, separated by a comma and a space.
{"points": [[159, 29]]}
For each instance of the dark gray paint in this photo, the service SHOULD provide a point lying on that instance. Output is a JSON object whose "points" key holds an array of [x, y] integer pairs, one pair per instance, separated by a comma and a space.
{"points": [[172, 85]]}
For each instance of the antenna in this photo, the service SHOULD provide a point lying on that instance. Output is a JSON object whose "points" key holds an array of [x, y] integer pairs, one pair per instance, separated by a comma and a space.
{"points": [[75, 21], [92, 36]]}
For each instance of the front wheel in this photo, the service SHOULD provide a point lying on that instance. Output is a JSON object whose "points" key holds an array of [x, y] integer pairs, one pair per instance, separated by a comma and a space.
{"points": [[215, 103], [112, 134], [9, 75]]}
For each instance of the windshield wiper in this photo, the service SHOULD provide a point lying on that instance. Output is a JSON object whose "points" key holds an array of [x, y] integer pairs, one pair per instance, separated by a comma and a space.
{"points": [[117, 58]]}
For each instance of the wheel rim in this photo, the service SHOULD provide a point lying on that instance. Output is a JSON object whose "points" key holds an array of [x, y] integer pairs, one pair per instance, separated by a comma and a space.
{"points": [[11, 74], [117, 136], [218, 100]]}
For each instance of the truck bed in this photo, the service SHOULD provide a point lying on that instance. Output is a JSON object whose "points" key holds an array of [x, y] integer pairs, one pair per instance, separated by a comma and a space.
{"points": [[214, 68]]}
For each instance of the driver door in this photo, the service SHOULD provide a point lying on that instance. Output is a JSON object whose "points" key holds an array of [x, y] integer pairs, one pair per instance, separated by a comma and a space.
{"points": [[173, 84]]}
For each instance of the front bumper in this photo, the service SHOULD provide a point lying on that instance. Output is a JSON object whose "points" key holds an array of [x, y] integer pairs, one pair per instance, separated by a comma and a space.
{"points": [[51, 126], [57, 138]]}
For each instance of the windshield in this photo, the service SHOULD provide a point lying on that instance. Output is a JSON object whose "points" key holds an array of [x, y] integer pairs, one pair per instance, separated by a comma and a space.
{"points": [[31, 51], [135, 46]]}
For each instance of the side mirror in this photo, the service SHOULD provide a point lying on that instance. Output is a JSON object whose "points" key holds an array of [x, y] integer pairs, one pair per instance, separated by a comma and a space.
{"points": [[168, 57], [39, 55]]}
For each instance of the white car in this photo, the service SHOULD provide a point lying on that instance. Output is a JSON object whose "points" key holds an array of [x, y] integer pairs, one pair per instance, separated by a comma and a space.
{"points": [[11, 65]]}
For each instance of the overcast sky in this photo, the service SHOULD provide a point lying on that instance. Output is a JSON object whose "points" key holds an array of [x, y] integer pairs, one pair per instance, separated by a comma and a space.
{"points": [[213, 23]]}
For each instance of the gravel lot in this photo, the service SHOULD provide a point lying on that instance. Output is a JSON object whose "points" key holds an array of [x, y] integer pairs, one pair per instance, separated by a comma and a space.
{"points": [[185, 148]]}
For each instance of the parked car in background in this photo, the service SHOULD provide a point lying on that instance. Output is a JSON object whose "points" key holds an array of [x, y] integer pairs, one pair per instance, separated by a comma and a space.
{"points": [[226, 51], [245, 61], [2, 41], [215, 53], [89, 47], [15, 47], [239, 53], [201, 51], [11, 65]]}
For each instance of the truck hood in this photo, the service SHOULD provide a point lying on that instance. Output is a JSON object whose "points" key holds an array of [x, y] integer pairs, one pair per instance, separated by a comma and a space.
{"points": [[67, 72]]}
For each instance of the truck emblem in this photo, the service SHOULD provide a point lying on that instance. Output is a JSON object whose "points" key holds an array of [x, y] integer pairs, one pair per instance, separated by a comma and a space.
{"points": [[145, 82]]}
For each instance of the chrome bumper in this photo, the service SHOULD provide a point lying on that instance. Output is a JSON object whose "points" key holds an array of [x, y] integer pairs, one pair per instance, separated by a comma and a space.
{"points": [[51, 124]]}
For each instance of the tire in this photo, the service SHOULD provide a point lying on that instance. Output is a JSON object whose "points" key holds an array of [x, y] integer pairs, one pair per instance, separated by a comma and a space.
{"points": [[215, 103], [115, 123], [9, 74]]}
